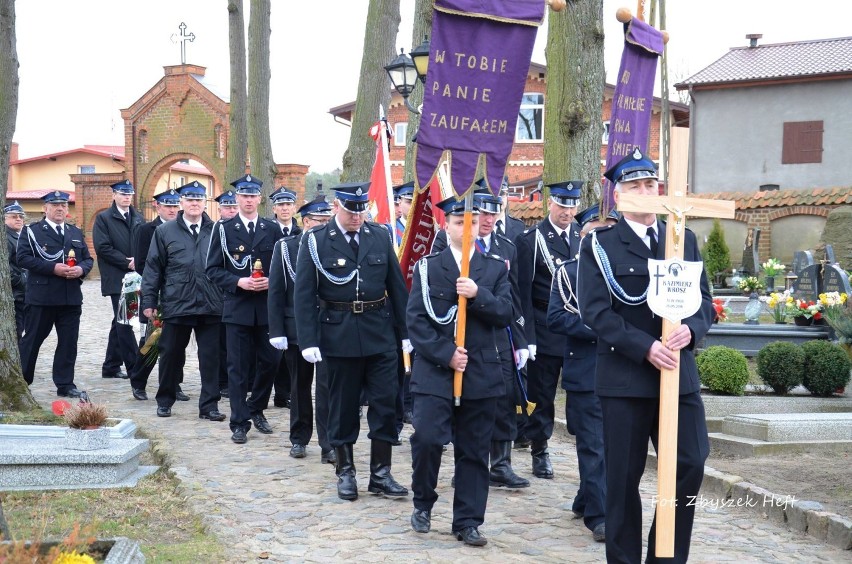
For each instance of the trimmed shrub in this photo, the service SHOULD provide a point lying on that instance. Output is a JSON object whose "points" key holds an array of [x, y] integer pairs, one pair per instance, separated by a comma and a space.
{"points": [[716, 255], [780, 365], [826, 367], [723, 370]]}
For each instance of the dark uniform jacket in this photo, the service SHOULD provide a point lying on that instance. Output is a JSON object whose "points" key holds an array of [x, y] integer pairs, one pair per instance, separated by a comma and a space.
{"points": [[488, 315], [111, 235], [579, 358], [43, 287], [514, 228], [344, 333], [241, 307], [282, 285], [534, 279], [175, 279], [626, 332], [17, 274], [142, 242]]}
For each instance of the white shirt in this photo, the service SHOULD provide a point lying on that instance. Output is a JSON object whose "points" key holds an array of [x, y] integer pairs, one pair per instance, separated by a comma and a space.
{"points": [[641, 231], [457, 255], [346, 232], [189, 224], [555, 228], [487, 240], [53, 226], [246, 220]]}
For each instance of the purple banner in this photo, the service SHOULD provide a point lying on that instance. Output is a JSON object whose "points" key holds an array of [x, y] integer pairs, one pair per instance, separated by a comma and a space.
{"points": [[633, 100], [478, 63]]}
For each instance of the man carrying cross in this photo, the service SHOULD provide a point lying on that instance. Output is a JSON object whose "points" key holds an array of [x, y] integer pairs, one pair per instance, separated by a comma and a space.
{"points": [[613, 282]]}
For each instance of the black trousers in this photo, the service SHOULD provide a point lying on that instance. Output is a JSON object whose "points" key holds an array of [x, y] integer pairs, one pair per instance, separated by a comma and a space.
{"points": [[172, 344], [248, 345], [20, 318], [301, 404], [542, 380], [283, 379], [627, 425], [142, 367], [121, 344], [403, 396], [40, 321], [505, 422], [347, 377], [436, 422], [585, 422], [223, 357]]}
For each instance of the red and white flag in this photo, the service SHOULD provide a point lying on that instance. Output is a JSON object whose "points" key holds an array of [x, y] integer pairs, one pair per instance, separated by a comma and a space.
{"points": [[381, 196]]}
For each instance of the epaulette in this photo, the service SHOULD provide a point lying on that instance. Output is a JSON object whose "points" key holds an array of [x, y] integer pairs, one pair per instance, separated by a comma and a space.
{"points": [[493, 256], [432, 255], [505, 239], [603, 228], [290, 237]]}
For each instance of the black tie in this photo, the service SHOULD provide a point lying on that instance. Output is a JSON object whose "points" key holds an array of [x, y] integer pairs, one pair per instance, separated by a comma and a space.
{"points": [[499, 226], [194, 229], [652, 235], [353, 243], [59, 230], [480, 244], [251, 228], [567, 241], [127, 218], [285, 231]]}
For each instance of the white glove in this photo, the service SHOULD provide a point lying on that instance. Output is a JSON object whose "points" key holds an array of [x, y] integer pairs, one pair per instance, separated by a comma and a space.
{"points": [[521, 357], [532, 349], [279, 343], [406, 346], [312, 355]]}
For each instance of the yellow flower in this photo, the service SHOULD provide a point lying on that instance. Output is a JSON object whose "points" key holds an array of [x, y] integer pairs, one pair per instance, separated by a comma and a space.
{"points": [[73, 558]]}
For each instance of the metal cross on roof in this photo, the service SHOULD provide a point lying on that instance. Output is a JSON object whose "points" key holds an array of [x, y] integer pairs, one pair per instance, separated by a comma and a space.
{"points": [[182, 38]]}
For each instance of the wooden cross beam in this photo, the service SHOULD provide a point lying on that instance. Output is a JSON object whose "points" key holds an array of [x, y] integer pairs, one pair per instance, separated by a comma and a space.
{"points": [[677, 205]]}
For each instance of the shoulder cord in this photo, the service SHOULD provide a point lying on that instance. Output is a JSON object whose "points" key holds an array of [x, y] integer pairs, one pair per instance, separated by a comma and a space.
{"points": [[540, 244], [614, 288], [339, 280], [239, 265], [566, 292], [427, 302], [288, 265], [35, 246]]}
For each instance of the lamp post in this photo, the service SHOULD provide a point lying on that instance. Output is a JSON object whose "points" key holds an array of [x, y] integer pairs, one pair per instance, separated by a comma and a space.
{"points": [[404, 71]]}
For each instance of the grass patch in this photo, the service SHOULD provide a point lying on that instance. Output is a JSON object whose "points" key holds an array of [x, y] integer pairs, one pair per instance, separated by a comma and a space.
{"points": [[154, 513], [34, 417]]}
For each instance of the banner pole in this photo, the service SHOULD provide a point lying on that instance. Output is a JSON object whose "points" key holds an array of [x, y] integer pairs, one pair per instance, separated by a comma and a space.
{"points": [[461, 320]]}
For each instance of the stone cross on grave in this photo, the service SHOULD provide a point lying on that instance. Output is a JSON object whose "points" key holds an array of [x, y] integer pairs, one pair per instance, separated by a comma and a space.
{"points": [[182, 38], [676, 205]]}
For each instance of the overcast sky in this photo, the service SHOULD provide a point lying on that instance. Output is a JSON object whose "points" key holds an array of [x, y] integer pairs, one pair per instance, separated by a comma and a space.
{"points": [[81, 62]]}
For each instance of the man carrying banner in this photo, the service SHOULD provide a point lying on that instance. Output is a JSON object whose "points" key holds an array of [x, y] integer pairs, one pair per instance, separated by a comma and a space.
{"points": [[541, 250], [613, 281], [350, 303]]}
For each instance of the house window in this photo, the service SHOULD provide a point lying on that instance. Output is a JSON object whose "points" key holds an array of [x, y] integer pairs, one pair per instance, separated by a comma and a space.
{"points": [[86, 169], [802, 142], [530, 119], [400, 130], [605, 136]]}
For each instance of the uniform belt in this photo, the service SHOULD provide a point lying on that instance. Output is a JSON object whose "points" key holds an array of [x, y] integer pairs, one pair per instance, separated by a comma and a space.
{"points": [[540, 304], [354, 307]]}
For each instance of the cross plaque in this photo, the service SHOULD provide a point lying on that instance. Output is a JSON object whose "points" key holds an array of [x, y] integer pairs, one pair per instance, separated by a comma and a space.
{"points": [[182, 38]]}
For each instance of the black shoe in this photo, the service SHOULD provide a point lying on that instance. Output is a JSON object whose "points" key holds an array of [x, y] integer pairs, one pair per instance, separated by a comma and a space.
{"points": [[212, 415], [328, 457], [180, 396], [406, 417], [522, 443], [576, 514], [297, 451], [381, 480], [224, 392], [471, 536], [69, 393], [282, 402], [421, 521], [163, 411], [141, 395], [541, 466], [261, 424], [599, 534], [397, 441], [239, 437], [502, 473], [120, 374], [347, 485]]}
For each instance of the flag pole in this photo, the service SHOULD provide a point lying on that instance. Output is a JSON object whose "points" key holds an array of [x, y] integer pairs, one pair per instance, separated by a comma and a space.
{"points": [[383, 139], [461, 319]]}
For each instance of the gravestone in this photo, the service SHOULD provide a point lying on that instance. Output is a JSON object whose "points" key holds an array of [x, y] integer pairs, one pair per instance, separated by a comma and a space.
{"points": [[829, 254], [801, 259], [835, 279], [807, 286], [751, 261]]}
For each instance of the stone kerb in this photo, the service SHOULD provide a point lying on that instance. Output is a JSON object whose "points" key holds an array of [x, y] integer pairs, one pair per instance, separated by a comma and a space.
{"points": [[721, 406]]}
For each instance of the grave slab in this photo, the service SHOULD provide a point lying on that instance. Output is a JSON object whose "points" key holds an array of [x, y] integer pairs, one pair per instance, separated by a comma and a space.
{"points": [[786, 427]]}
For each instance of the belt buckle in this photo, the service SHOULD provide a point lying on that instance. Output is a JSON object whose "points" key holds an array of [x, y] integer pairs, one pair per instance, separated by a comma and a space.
{"points": [[357, 306]]}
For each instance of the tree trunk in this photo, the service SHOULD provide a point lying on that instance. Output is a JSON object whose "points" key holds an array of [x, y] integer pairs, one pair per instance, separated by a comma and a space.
{"points": [[237, 137], [14, 392], [422, 28], [259, 76], [575, 87], [373, 87]]}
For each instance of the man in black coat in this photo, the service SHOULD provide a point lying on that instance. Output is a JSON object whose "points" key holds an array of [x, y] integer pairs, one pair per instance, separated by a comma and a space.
{"points": [[228, 208], [431, 310], [176, 282], [541, 250], [13, 215], [167, 205], [283, 336], [237, 261], [112, 234], [54, 297], [613, 278], [350, 306]]}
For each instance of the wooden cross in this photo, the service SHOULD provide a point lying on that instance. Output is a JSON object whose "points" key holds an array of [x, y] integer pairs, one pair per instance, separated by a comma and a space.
{"points": [[676, 205], [182, 38]]}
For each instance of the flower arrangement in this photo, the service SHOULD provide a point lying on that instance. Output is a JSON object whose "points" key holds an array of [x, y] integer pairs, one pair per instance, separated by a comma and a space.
{"points": [[773, 267], [838, 315], [806, 309], [151, 349], [779, 304], [750, 284], [131, 294], [86, 415], [722, 309]]}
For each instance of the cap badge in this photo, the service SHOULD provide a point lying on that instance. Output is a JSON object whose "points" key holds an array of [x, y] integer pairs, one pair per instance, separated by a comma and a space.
{"points": [[570, 186], [248, 178], [57, 194], [637, 154], [195, 184], [358, 192]]}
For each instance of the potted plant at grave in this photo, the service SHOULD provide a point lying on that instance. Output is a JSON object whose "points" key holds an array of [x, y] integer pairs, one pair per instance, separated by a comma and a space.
{"points": [[771, 269], [750, 285], [779, 304], [804, 312], [837, 311], [85, 426], [722, 310]]}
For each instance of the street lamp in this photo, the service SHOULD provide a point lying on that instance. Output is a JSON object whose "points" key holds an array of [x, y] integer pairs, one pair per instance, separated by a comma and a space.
{"points": [[403, 75], [420, 55]]}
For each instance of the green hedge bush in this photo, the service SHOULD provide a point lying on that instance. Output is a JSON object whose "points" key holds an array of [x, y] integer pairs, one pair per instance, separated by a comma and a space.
{"points": [[826, 367], [780, 365], [723, 370]]}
